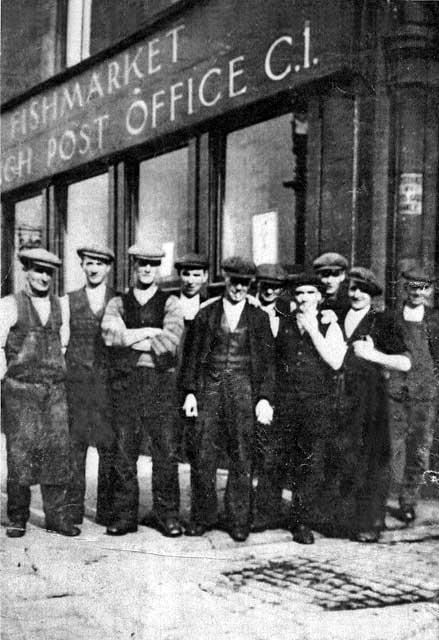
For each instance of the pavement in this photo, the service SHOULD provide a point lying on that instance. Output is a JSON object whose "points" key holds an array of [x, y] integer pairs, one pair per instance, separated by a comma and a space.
{"points": [[144, 586]]}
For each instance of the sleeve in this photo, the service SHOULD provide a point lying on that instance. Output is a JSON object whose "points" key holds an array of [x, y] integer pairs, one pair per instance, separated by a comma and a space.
{"points": [[336, 344], [388, 335], [267, 358], [192, 366], [65, 326], [8, 317], [173, 324], [113, 325]]}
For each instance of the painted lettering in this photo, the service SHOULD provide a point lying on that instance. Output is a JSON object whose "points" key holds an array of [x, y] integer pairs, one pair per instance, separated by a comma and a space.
{"points": [[190, 96], [94, 88], [173, 33], [152, 53], [113, 76], [174, 97], [234, 73], [268, 62], [34, 115], [156, 105], [136, 117], [100, 122], [70, 99], [84, 139], [203, 100], [67, 145], [51, 151], [49, 108], [132, 66]]}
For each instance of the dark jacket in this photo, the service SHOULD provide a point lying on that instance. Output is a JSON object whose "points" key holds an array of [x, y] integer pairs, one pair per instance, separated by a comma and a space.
{"points": [[203, 333], [431, 319]]}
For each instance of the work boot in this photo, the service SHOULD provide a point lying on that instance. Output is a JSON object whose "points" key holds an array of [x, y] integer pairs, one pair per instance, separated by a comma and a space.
{"points": [[16, 529]]}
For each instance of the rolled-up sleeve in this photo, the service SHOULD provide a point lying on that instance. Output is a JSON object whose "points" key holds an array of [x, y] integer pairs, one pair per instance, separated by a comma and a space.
{"points": [[173, 324], [113, 325]]}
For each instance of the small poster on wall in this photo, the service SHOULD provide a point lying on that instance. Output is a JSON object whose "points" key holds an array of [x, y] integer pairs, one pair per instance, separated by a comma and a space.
{"points": [[265, 237], [410, 194]]}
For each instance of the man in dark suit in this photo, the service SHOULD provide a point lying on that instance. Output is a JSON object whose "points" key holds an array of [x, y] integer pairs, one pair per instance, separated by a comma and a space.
{"points": [[414, 395], [228, 379], [89, 407]]}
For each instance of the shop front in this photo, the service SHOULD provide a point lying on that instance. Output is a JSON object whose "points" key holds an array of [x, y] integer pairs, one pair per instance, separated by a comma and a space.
{"points": [[246, 128]]}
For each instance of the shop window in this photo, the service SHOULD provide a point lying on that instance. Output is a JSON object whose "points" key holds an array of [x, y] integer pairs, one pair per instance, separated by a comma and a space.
{"points": [[87, 223], [28, 233], [258, 219], [164, 218], [78, 31]]}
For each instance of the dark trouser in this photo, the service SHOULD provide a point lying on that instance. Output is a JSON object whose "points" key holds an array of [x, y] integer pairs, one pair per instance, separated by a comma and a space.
{"points": [[145, 402], [412, 427], [106, 480], [226, 422], [301, 449], [54, 503]]}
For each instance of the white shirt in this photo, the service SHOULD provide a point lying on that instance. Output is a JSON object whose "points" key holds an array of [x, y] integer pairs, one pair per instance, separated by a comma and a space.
{"points": [[270, 309], [96, 297], [233, 312], [144, 295], [190, 306], [353, 319], [413, 314]]}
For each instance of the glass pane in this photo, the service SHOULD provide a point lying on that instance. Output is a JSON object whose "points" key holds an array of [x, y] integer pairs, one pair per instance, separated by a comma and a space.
{"points": [[28, 233], [87, 223], [163, 206], [259, 215]]}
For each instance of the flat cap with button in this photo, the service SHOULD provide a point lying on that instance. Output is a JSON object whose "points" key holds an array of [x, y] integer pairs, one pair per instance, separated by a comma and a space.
{"points": [[192, 261], [366, 279], [271, 273], [416, 274], [330, 260], [304, 278], [239, 267], [146, 252], [39, 256], [100, 252]]}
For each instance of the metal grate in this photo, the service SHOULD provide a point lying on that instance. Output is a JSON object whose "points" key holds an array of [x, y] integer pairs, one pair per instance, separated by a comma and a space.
{"points": [[321, 583]]}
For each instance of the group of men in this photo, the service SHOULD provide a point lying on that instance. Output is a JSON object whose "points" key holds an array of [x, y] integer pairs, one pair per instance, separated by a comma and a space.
{"points": [[285, 382]]}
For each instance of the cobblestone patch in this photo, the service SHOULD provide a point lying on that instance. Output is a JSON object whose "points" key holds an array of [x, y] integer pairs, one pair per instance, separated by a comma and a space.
{"points": [[324, 584]]}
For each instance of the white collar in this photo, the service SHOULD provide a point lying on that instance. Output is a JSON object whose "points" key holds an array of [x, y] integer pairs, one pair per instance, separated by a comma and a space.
{"points": [[413, 314], [353, 319], [190, 306]]}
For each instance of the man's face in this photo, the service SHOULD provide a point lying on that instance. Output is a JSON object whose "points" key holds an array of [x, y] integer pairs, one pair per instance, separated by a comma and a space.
{"points": [[191, 281], [95, 270], [307, 298], [236, 288], [145, 272], [39, 278], [358, 298], [332, 279], [418, 293], [268, 292]]}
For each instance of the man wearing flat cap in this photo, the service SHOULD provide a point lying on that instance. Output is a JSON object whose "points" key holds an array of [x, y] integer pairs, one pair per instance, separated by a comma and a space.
{"points": [[143, 328], [89, 407], [271, 280], [375, 343], [309, 348], [33, 335], [229, 382], [414, 395], [331, 268]]}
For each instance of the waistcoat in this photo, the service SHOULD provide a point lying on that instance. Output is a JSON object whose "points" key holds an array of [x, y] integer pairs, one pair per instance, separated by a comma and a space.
{"points": [[33, 351], [300, 367], [86, 348], [231, 349]]}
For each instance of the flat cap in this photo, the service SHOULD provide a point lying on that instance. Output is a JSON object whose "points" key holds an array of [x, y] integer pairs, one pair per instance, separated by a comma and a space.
{"points": [[192, 261], [330, 260], [146, 252], [240, 267], [416, 274], [367, 279], [97, 251], [39, 256], [305, 277], [273, 273]]}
